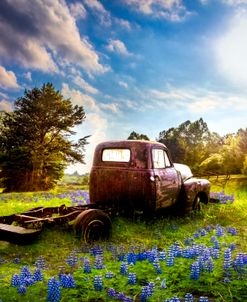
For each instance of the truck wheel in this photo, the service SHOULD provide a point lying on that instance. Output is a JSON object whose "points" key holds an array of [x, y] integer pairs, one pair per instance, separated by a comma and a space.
{"points": [[197, 204], [93, 225]]}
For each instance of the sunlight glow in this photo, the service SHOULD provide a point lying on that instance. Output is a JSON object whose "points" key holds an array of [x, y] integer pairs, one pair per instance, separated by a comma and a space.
{"points": [[231, 50]]}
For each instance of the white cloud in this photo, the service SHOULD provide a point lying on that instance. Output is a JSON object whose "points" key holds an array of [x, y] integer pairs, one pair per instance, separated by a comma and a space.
{"points": [[123, 84], [234, 2], [118, 47], [28, 76], [79, 98], [112, 107], [34, 33], [95, 125], [6, 106], [102, 14], [195, 100], [172, 10], [77, 10], [7, 79], [79, 81], [231, 50]]}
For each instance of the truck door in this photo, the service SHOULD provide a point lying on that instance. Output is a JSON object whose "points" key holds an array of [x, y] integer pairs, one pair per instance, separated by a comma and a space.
{"points": [[167, 179]]}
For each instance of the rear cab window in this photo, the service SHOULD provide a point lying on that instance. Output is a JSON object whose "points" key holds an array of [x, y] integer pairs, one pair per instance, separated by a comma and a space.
{"points": [[116, 155]]}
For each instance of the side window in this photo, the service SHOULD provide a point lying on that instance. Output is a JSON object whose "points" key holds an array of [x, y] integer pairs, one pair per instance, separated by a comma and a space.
{"points": [[160, 159], [116, 155]]}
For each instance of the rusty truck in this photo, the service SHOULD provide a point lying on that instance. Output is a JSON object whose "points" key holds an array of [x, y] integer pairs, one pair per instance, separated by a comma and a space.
{"points": [[128, 177]]}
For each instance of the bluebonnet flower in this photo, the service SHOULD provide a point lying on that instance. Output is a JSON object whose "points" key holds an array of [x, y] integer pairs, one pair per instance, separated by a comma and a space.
{"points": [[215, 253], [232, 246], [22, 289], [151, 255], [209, 228], [209, 265], [146, 292], [40, 263], [109, 275], [54, 293], [162, 255], [131, 258], [142, 256], [17, 260], [156, 264], [15, 280], [175, 299], [124, 268], [98, 283], [227, 259], [216, 245], [196, 235], [67, 281], [111, 292], [37, 275], [232, 231], [25, 273], [226, 280], [203, 232], [212, 239], [87, 266], [203, 299], [170, 260], [219, 231], [240, 263], [72, 260], [195, 271], [188, 298], [96, 250], [98, 262], [132, 278]]}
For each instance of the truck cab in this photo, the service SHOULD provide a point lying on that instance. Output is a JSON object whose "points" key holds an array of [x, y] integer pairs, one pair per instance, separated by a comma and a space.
{"points": [[132, 175]]}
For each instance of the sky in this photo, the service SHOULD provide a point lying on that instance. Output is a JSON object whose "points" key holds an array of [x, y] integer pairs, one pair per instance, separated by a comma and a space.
{"points": [[134, 65]]}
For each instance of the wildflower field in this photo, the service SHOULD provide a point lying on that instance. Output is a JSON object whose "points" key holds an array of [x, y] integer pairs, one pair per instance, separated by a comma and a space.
{"points": [[199, 257]]}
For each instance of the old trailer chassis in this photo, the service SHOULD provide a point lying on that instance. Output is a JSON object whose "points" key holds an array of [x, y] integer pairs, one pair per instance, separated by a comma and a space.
{"points": [[24, 227]]}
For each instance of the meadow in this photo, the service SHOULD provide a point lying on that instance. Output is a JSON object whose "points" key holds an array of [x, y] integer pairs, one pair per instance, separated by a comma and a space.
{"points": [[198, 257]]}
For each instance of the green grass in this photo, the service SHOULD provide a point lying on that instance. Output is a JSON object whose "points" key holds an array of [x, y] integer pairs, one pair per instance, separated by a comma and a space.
{"points": [[56, 244]]}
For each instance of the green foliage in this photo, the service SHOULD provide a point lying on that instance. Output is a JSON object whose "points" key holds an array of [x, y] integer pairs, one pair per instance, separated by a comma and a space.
{"points": [[34, 144], [55, 245], [137, 136], [193, 144]]}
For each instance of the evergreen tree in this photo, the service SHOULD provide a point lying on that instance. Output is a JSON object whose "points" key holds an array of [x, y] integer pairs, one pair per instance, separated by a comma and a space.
{"points": [[34, 142]]}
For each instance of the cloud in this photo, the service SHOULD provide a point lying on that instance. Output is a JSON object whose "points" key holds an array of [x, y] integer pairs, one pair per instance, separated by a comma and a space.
{"points": [[28, 76], [6, 106], [195, 100], [79, 98], [234, 2], [123, 84], [34, 33], [77, 10], [97, 8], [231, 49], [8, 79], [79, 81], [112, 107], [172, 10], [118, 47], [95, 125]]}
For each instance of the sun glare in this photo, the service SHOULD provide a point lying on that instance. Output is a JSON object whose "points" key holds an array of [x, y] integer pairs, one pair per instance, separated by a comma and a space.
{"points": [[231, 51]]}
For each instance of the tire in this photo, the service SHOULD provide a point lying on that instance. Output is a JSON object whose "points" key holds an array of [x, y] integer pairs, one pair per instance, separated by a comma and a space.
{"points": [[196, 204], [93, 225]]}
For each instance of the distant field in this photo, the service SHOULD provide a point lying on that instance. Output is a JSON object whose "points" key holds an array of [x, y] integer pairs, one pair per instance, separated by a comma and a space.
{"points": [[202, 254]]}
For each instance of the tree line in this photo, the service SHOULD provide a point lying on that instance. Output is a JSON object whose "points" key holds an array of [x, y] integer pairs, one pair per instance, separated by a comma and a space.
{"points": [[36, 145], [205, 152]]}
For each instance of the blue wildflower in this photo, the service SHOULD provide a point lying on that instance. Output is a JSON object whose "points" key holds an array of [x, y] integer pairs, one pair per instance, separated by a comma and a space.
{"points": [[188, 298], [195, 271], [38, 275], [203, 299], [124, 268], [111, 292], [163, 283], [54, 293], [98, 283], [109, 275], [132, 278], [87, 266], [22, 289], [15, 280]]}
